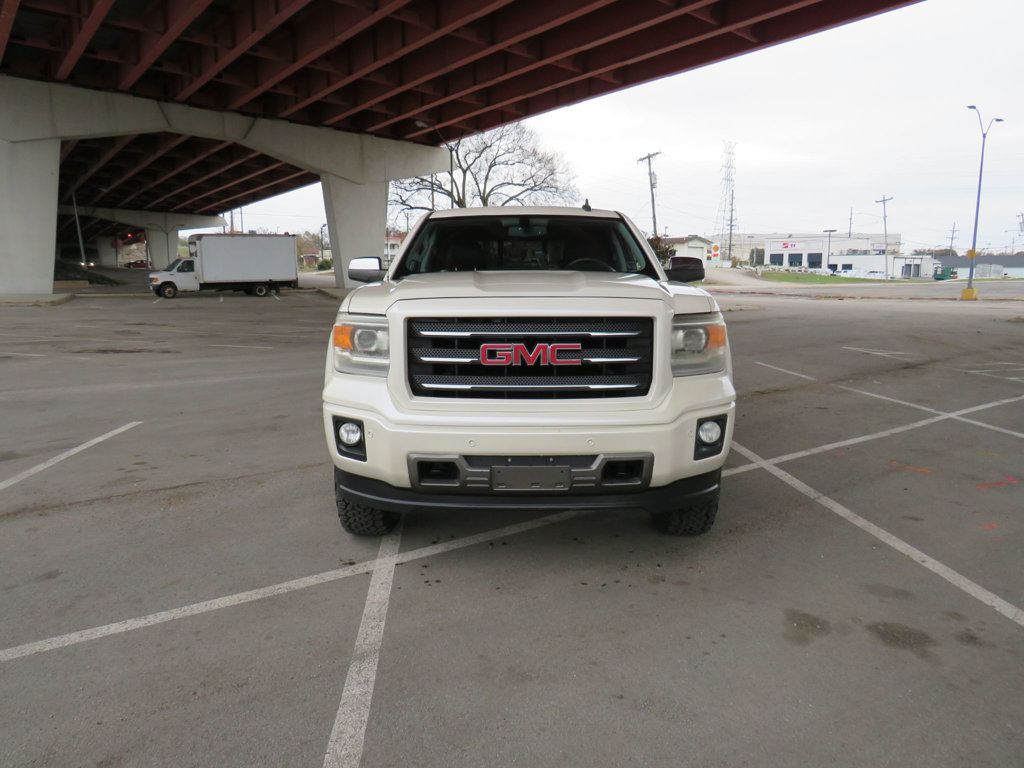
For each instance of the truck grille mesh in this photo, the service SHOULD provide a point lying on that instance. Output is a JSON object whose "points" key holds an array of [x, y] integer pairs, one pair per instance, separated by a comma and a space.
{"points": [[615, 357]]}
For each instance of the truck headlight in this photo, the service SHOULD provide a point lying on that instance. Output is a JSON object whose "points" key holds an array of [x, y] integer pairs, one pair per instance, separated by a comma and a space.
{"points": [[360, 344], [699, 344]]}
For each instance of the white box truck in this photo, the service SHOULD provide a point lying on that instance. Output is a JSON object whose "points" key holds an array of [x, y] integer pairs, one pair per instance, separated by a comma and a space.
{"points": [[256, 264]]}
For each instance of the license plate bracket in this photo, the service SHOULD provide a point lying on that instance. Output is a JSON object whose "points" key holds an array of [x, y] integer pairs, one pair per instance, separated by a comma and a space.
{"points": [[531, 478]]}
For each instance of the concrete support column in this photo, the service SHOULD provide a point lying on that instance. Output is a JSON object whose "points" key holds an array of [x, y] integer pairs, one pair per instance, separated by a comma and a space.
{"points": [[105, 251], [162, 246], [357, 218], [29, 172]]}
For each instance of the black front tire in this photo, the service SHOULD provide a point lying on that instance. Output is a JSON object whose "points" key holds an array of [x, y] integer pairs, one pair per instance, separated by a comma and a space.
{"points": [[168, 290], [687, 521], [360, 520], [260, 290]]}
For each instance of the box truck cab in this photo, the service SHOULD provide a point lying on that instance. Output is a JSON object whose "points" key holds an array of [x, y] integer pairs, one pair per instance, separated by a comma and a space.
{"points": [[256, 264]]}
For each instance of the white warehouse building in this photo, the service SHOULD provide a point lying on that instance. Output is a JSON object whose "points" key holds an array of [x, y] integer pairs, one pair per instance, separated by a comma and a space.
{"points": [[859, 254]]}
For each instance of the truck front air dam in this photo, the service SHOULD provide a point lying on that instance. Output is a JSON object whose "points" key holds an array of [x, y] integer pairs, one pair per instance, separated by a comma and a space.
{"points": [[376, 493]]}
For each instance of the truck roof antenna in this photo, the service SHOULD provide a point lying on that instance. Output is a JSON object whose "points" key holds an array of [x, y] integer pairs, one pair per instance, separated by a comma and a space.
{"points": [[586, 205]]}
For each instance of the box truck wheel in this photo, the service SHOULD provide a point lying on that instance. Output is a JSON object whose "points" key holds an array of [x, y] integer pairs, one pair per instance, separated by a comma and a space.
{"points": [[687, 521], [168, 290], [260, 290]]}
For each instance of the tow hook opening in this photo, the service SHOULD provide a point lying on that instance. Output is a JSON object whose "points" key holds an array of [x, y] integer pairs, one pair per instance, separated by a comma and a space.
{"points": [[437, 473], [623, 472]]}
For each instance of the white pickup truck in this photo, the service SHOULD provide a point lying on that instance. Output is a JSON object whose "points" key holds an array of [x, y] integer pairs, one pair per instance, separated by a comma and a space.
{"points": [[528, 358], [255, 264]]}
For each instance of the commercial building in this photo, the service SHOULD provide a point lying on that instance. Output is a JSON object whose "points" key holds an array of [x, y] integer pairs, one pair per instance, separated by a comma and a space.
{"points": [[860, 254]]}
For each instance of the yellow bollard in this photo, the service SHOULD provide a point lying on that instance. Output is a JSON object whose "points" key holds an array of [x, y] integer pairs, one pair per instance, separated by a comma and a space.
{"points": [[969, 294]]}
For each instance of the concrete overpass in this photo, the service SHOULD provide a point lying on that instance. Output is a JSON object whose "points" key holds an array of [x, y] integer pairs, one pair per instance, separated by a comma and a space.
{"points": [[194, 107]]}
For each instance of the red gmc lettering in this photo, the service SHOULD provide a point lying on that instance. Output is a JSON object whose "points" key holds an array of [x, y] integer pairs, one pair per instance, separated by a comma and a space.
{"points": [[520, 354]]}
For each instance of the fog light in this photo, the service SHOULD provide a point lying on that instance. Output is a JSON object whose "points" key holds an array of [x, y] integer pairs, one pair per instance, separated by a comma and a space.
{"points": [[709, 433], [349, 433]]}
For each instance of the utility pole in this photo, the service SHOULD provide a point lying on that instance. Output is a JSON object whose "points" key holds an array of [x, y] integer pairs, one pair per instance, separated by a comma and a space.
{"points": [[829, 248], [653, 181], [968, 293], [885, 228], [1021, 217], [849, 232], [952, 238], [732, 220]]}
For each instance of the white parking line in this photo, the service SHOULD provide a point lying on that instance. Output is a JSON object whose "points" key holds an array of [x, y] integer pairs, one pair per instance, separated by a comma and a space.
{"points": [[345, 747], [783, 370], [958, 415], [882, 352], [65, 455], [1010, 611], [240, 598], [274, 295], [158, 300], [237, 346], [839, 444]]}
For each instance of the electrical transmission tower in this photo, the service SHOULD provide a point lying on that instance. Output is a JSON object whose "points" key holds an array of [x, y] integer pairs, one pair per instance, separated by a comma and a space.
{"points": [[732, 221], [725, 201], [652, 179]]}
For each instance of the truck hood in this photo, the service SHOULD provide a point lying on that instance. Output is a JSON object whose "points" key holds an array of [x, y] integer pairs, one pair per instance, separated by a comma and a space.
{"points": [[375, 299]]}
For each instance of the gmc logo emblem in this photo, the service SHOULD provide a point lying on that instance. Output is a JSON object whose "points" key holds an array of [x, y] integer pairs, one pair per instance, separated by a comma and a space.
{"points": [[520, 354]]}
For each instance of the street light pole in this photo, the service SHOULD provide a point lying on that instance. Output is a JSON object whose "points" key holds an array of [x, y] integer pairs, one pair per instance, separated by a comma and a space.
{"points": [[828, 258], [969, 293]]}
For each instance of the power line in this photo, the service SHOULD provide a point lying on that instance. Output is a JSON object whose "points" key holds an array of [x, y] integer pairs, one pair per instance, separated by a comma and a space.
{"points": [[653, 181]]}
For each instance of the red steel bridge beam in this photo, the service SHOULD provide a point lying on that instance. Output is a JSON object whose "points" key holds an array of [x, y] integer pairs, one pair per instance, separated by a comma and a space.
{"points": [[174, 16], [319, 33], [8, 10], [82, 31], [377, 52], [674, 35], [166, 146], [561, 43], [803, 21]]}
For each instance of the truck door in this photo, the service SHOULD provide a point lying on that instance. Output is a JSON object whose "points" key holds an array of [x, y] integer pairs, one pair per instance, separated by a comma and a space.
{"points": [[185, 276]]}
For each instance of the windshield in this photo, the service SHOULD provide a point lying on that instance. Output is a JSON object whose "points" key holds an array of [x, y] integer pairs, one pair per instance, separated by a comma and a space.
{"points": [[505, 243], [172, 266]]}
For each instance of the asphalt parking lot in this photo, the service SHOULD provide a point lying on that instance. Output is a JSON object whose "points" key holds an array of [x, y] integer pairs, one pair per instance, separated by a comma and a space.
{"points": [[175, 589]]}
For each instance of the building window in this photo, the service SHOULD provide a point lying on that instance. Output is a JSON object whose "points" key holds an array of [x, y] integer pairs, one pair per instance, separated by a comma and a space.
{"points": [[796, 259], [847, 267], [775, 259], [814, 260], [833, 267]]}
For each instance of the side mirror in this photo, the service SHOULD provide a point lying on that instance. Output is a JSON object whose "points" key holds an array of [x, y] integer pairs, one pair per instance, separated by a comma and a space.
{"points": [[365, 270], [685, 269]]}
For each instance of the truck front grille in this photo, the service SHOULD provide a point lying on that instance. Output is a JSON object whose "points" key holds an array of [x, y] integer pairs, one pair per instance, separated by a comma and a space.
{"points": [[531, 357]]}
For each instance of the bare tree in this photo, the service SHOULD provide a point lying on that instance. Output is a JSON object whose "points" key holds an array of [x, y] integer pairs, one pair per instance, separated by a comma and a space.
{"points": [[505, 166]]}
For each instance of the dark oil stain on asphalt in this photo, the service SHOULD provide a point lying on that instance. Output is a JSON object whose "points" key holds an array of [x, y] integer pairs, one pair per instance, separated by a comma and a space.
{"points": [[904, 638], [802, 628], [967, 636]]}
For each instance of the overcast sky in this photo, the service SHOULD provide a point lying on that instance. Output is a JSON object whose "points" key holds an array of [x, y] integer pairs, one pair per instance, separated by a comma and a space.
{"points": [[820, 124]]}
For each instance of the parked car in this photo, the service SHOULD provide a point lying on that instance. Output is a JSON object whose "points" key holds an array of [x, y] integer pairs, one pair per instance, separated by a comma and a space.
{"points": [[139, 264]]}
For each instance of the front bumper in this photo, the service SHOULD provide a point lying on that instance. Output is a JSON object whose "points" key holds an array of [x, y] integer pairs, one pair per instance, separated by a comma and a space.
{"points": [[374, 493]]}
